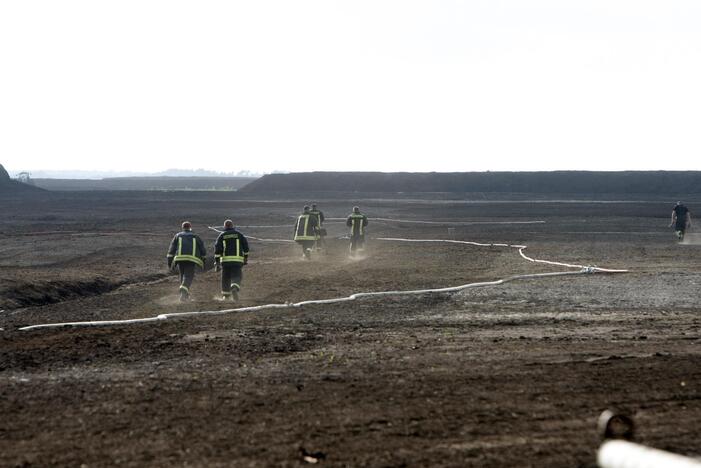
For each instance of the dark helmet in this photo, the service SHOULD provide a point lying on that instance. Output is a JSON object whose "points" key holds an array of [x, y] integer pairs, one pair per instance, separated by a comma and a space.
{"points": [[313, 206], [356, 209], [306, 207], [186, 225], [228, 224]]}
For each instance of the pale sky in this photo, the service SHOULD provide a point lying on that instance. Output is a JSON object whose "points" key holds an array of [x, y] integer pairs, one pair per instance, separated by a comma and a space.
{"points": [[355, 85]]}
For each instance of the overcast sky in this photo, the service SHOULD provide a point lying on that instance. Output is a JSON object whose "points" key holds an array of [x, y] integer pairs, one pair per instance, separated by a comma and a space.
{"points": [[356, 85]]}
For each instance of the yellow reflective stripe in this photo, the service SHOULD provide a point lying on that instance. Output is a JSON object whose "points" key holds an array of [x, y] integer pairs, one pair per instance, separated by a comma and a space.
{"points": [[317, 215], [188, 258], [194, 247], [232, 258], [304, 235], [359, 219], [184, 287], [180, 245]]}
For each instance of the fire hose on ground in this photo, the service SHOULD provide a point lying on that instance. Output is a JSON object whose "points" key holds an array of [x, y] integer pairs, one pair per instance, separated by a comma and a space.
{"points": [[618, 451], [582, 269]]}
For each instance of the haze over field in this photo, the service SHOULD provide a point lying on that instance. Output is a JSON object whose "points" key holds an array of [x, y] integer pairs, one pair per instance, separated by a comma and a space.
{"points": [[350, 86]]}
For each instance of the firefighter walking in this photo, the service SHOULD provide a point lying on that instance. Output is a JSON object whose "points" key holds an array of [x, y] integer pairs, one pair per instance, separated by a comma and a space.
{"points": [[306, 231], [230, 255], [357, 222], [681, 220], [320, 231], [187, 251]]}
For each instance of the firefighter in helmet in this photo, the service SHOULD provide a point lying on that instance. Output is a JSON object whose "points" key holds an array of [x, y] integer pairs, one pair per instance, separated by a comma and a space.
{"points": [[187, 251], [357, 222], [681, 219], [306, 231], [320, 231], [230, 255]]}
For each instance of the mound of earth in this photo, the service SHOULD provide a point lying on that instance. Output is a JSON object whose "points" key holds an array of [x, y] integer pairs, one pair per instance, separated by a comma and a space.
{"points": [[7, 185], [575, 182], [17, 294]]}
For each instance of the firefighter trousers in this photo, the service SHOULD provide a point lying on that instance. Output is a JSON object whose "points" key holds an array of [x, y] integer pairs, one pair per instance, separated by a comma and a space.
{"points": [[307, 246], [187, 275], [357, 242], [231, 276]]}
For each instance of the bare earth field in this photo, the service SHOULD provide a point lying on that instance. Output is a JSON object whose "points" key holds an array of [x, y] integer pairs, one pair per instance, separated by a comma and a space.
{"points": [[509, 375]]}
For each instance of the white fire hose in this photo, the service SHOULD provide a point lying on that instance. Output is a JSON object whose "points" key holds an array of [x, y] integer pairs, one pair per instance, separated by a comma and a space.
{"points": [[617, 451], [624, 454], [581, 270]]}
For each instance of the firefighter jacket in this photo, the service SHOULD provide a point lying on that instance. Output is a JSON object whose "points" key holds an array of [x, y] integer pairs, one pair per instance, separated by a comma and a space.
{"points": [[231, 247], [306, 228], [187, 247], [357, 222], [319, 215]]}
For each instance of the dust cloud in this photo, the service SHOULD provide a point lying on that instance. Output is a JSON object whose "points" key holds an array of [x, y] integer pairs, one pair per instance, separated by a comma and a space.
{"points": [[692, 238]]}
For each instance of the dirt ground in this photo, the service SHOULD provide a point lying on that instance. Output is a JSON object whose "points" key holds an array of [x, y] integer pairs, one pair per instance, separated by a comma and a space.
{"points": [[509, 375]]}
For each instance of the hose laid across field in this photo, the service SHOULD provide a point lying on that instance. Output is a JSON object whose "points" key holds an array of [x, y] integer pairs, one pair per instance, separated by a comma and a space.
{"points": [[581, 270], [590, 269], [453, 223]]}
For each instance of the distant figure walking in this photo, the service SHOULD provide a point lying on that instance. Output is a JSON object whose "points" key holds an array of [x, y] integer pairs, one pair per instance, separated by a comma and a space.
{"points": [[230, 255], [306, 231], [186, 251], [681, 219], [320, 231], [357, 222]]}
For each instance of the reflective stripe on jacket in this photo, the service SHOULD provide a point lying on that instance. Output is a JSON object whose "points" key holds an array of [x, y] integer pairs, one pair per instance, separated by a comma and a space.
{"points": [[187, 247], [305, 228], [319, 217], [231, 246], [357, 223]]}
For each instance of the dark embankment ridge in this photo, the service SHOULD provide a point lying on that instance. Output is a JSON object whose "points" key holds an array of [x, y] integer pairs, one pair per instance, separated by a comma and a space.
{"points": [[146, 183], [556, 182], [9, 186]]}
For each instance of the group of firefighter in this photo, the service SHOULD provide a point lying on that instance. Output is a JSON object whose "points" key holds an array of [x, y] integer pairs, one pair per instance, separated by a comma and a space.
{"points": [[309, 230], [187, 250]]}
